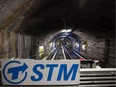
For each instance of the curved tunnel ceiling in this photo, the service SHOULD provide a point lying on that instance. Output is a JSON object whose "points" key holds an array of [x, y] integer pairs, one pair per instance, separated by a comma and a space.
{"points": [[93, 16], [69, 34]]}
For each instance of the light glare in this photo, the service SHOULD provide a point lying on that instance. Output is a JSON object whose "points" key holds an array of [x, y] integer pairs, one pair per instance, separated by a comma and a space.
{"points": [[69, 30]]}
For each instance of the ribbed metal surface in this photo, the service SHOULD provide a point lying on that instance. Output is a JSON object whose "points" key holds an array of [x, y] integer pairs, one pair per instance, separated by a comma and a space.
{"points": [[98, 77], [90, 78]]}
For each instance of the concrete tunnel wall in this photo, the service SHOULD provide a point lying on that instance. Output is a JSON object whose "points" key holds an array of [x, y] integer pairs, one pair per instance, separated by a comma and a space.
{"points": [[13, 44], [99, 49]]}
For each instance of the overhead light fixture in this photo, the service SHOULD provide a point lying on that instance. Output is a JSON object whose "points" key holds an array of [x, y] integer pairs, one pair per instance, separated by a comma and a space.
{"points": [[77, 44], [68, 30], [41, 47], [83, 47]]}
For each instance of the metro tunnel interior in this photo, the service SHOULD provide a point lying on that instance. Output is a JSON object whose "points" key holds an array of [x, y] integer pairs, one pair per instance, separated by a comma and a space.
{"points": [[58, 29]]}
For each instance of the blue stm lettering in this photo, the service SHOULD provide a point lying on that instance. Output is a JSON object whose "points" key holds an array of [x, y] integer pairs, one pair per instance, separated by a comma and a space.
{"points": [[63, 72]]}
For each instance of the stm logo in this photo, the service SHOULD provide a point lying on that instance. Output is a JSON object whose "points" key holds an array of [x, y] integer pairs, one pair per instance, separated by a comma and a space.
{"points": [[40, 72], [15, 71]]}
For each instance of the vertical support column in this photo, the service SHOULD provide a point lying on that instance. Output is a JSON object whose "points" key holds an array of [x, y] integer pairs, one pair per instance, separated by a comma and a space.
{"points": [[0, 44], [106, 51]]}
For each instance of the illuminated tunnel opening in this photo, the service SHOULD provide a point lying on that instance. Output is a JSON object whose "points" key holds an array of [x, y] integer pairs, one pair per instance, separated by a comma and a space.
{"points": [[67, 39]]}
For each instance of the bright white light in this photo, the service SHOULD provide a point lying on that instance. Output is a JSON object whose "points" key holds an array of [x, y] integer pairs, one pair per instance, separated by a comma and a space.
{"points": [[63, 30], [77, 44], [50, 44], [41, 47], [83, 47], [69, 30]]}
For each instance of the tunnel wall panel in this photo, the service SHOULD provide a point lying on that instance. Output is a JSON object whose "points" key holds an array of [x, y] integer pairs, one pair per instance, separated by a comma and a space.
{"points": [[112, 57], [100, 50], [17, 45]]}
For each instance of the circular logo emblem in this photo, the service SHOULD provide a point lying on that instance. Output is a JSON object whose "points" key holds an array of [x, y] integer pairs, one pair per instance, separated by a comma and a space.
{"points": [[14, 72]]}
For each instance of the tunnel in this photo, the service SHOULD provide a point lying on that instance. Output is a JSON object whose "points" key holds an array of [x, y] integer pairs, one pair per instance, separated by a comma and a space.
{"points": [[58, 30]]}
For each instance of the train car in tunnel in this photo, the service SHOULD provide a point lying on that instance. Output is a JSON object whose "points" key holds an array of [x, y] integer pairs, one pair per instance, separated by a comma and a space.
{"points": [[61, 30]]}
